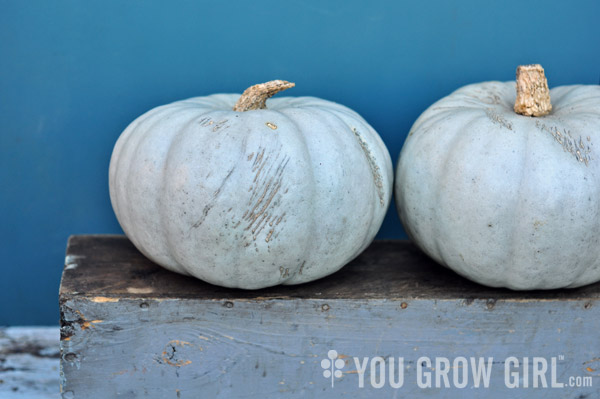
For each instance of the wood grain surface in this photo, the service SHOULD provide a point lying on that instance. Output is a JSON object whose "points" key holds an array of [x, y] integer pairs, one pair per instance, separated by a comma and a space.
{"points": [[131, 329]]}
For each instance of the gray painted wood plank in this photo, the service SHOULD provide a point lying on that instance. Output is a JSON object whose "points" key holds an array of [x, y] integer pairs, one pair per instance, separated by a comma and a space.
{"points": [[29, 362], [131, 330]]}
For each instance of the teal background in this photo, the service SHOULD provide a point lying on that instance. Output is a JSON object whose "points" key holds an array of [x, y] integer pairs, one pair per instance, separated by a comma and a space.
{"points": [[73, 74]]}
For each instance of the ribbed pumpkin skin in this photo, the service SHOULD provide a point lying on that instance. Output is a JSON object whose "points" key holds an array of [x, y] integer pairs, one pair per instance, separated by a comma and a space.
{"points": [[253, 199], [503, 199]]}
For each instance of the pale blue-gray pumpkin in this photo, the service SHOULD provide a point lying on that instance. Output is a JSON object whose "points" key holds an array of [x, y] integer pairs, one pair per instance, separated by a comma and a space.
{"points": [[505, 199], [251, 197]]}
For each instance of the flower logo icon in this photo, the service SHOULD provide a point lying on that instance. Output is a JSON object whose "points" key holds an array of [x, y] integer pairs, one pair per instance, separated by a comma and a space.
{"points": [[332, 366]]}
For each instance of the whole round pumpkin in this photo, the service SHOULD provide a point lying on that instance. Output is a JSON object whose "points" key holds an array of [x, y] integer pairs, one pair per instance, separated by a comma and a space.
{"points": [[505, 199], [251, 197]]}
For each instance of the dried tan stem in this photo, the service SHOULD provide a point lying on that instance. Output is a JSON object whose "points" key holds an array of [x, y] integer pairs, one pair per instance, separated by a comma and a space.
{"points": [[255, 97], [533, 95]]}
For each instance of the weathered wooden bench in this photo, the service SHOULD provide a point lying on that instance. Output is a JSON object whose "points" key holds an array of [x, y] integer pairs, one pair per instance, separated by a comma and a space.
{"points": [[390, 323]]}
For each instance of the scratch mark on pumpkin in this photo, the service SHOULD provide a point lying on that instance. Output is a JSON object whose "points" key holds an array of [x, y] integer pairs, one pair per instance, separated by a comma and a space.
{"points": [[269, 235], [497, 118], [205, 121], [284, 272], [258, 204], [280, 219], [256, 231], [211, 203], [216, 126], [377, 180], [273, 191], [219, 125], [258, 159], [262, 165], [301, 267], [266, 193]]}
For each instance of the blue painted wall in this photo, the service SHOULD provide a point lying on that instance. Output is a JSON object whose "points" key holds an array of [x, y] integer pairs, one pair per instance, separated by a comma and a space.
{"points": [[73, 74]]}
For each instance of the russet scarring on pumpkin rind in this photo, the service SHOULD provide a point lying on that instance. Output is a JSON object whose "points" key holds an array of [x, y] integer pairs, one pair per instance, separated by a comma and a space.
{"points": [[250, 199], [504, 199], [576, 147], [374, 167]]}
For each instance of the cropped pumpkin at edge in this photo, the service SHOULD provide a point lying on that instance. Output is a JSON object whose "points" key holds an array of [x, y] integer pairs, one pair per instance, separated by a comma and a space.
{"points": [[504, 199], [254, 197]]}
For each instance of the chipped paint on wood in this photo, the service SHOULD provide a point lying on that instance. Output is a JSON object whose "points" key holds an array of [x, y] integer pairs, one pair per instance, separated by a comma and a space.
{"points": [[87, 324], [143, 290], [71, 261], [172, 356], [103, 299]]}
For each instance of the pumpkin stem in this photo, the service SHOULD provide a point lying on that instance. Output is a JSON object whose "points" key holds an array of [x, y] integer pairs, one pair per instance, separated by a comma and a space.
{"points": [[255, 97], [533, 95]]}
